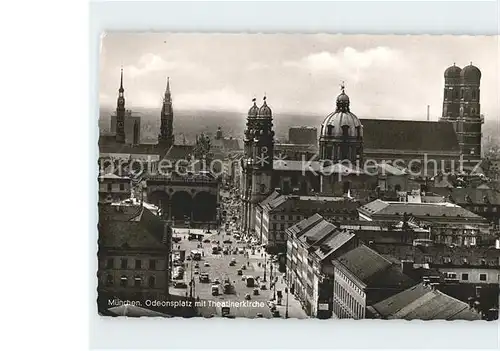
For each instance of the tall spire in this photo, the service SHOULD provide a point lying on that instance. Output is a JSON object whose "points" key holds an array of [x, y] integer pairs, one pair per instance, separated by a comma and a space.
{"points": [[168, 97], [121, 81]]}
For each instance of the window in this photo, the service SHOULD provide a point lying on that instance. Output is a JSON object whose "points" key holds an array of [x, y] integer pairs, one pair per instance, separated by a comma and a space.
{"points": [[473, 95], [428, 259], [282, 218], [483, 277], [151, 282], [452, 275], [152, 264], [124, 263], [465, 276], [137, 281], [329, 129], [122, 186], [110, 188], [109, 263], [446, 259], [123, 281], [137, 264], [109, 280], [345, 131]]}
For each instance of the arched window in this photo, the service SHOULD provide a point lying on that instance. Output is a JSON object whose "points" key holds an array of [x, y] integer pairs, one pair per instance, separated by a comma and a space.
{"points": [[262, 188], [473, 111], [461, 93], [123, 280], [137, 281], [329, 129], [358, 132], [151, 282]]}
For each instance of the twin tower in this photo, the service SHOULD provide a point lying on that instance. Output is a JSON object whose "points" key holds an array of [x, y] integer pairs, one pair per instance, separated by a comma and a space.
{"points": [[461, 107]]}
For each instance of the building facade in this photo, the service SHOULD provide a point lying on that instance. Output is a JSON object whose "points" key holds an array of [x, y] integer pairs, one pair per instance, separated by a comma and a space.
{"points": [[133, 256], [362, 277]]}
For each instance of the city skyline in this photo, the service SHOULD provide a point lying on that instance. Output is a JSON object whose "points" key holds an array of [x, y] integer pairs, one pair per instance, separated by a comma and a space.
{"points": [[386, 76]]}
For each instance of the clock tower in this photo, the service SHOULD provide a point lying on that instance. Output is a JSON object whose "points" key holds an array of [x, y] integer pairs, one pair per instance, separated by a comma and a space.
{"points": [[166, 137], [120, 113]]}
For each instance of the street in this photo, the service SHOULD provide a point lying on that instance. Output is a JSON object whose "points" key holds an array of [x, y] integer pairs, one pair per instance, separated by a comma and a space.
{"points": [[218, 267]]}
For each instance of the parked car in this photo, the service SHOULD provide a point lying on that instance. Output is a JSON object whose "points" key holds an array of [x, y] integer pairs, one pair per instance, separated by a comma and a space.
{"points": [[240, 272], [206, 264]]}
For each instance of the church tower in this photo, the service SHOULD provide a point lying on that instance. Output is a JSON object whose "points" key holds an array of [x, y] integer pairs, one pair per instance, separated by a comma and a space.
{"points": [[257, 163], [120, 113], [247, 165], [166, 136], [470, 120], [461, 107], [263, 154]]}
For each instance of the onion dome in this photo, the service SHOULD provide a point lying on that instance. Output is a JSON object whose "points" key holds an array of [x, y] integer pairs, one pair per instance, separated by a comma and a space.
{"points": [[254, 110], [342, 122], [471, 73], [265, 111], [452, 72]]}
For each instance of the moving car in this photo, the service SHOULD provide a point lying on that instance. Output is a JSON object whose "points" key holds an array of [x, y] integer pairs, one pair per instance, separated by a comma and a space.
{"points": [[240, 272], [197, 265], [215, 290], [250, 281], [206, 264]]}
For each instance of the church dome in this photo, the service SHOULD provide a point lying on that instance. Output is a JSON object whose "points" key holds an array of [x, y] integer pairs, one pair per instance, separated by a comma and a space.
{"points": [[452, 72], [342, 122], [265, 111], [254, 110], [471, 73]]}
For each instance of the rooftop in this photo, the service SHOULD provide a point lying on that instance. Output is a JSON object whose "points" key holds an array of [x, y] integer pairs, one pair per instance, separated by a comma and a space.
{"points": [[424, 303], [373, 269], [409, 135], [380, 208], [470, 195]]}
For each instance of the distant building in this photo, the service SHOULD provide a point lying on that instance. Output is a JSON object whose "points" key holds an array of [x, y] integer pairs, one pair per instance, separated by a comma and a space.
{"points": [[312, 244], [423, 302], [449, 223], [133, 256], [362, 277], [114, 188], [303, 135], [279, 212], [483, 202], [465, 265]]}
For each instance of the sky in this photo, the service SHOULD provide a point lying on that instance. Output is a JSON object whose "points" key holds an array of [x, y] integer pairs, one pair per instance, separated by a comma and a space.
{"points": [[393, 76]]}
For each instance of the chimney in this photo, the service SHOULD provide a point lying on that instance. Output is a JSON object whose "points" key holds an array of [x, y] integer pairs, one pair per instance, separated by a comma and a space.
{"points": [[406, 267]]}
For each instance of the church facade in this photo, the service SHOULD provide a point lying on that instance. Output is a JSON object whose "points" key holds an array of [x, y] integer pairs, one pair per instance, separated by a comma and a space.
{"points": [[347, 145]]}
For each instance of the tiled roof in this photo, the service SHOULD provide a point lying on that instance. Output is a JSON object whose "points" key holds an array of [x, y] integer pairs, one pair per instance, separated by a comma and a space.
{"points": [[379, 207], [409, 135], [301, 227], [316, 166], [442, 255], [373, 269], [474, 195], [364, 262], [270, 198], [316, 203], [337, 239], [317, 233], [424, 303], [144, 230]]}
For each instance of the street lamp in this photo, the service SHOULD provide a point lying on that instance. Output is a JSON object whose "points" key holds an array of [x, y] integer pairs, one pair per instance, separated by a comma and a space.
{"points": [[265, 267], [286, 308]]}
